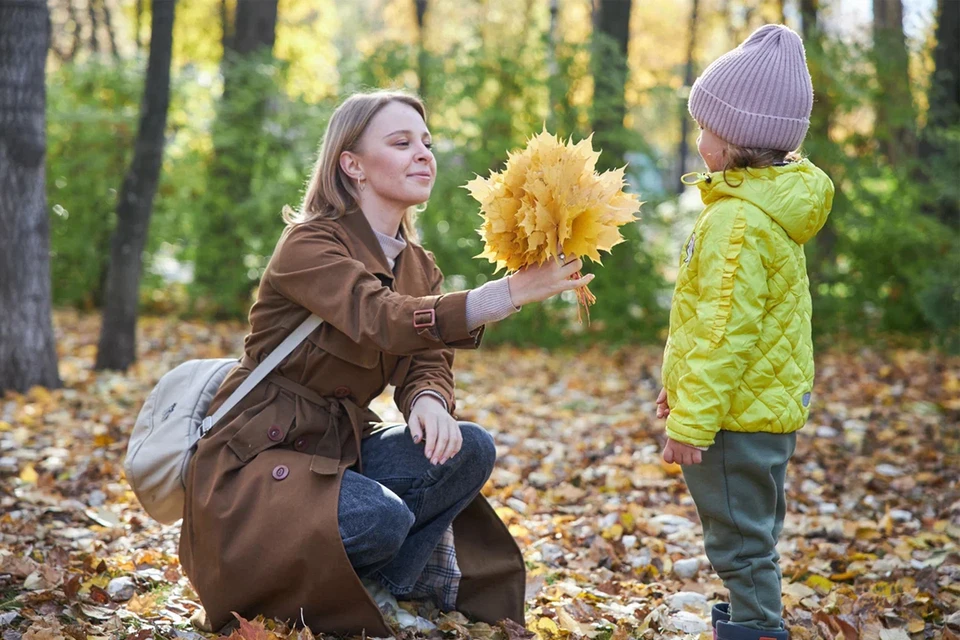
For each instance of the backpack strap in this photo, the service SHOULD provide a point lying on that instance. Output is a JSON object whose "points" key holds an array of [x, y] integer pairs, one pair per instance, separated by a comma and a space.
{"points": [[262, 371]]}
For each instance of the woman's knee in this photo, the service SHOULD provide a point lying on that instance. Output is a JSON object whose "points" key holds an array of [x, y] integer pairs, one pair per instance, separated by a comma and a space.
{"points": [[377, 531], [478, 448]]}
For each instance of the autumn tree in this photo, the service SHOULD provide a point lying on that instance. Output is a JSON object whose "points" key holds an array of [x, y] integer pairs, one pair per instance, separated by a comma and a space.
{"points": [[117, 346], [896, 115], [818, 137], [688, 73], [28, 354], [249, 33], [611, 41], [944, 112], [422, 60]]}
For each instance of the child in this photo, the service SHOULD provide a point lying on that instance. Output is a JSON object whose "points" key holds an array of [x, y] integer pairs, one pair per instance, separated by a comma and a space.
{"points": [[738, 364]]}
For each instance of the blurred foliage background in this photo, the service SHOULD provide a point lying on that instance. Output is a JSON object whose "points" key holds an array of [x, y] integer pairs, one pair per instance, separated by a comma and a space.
{"points": [[492, 73]]}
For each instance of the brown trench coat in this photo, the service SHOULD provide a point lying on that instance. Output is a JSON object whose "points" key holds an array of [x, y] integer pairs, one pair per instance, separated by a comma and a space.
{"points": [[260, 531]]}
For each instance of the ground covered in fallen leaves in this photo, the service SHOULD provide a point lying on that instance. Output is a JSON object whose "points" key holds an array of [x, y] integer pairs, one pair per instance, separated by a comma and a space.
{"points": [[610, 535]]}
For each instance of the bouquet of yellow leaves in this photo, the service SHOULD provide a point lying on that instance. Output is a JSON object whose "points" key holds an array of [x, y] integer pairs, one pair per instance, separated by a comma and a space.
{"points": [[549, 203]]}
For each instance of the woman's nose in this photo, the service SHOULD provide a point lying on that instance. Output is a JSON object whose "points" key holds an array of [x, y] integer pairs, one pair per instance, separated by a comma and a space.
{"points": [[424, 154]]}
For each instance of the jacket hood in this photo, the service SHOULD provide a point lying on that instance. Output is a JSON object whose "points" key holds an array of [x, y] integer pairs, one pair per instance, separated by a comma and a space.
{"points": [[798, 196]]}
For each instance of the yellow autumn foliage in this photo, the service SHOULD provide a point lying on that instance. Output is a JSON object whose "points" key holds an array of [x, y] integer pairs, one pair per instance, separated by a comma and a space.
{"points": [[549, 199]]}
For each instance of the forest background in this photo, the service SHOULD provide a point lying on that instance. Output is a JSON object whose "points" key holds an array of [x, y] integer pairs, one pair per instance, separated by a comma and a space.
{"points": [[253, 84]]}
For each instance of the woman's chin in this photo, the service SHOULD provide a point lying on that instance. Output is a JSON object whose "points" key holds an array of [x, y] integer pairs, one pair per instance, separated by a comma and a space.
{"points": [[417, 199]]}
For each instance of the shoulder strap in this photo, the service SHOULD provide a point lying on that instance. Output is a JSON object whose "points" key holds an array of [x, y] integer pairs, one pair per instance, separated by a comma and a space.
{"points": [[263, 369]]}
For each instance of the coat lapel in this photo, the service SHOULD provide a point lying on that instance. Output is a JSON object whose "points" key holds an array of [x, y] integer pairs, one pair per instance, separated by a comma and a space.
{"points": [[366, 248]]}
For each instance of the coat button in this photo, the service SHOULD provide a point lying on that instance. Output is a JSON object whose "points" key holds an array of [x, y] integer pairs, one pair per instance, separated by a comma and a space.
{"points": [[342, 392], [275, 433], [300, 444], [280, 472]]}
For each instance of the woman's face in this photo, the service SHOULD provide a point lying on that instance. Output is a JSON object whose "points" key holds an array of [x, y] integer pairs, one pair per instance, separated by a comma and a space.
{"points": [[711, 149], [394, 157]]}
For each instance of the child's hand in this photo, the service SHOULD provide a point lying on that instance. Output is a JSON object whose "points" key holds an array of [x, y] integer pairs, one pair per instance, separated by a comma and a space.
{"points": [[681, 453], [663, 409]]}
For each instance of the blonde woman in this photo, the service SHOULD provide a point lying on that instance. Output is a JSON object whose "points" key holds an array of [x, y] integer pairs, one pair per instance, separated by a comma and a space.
{"points": [[298, 493]]}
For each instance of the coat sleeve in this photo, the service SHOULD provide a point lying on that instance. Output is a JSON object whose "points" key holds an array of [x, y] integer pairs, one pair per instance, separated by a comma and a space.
{"points": [[429, 371], [730, 306], [314, 269]]}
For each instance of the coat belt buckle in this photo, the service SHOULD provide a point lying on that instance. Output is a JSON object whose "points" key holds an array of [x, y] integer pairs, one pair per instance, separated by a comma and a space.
{"points": [[430, 314]]}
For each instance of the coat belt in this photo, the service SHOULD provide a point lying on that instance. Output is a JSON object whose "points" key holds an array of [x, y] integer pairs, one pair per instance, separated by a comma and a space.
{"points": [[328, 456]]}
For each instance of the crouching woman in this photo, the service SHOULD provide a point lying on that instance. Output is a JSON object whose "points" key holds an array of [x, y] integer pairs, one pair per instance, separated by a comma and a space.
{"points": [[299, 492]]}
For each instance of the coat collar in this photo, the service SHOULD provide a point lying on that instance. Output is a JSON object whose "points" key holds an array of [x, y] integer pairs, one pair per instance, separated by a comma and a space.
{"points": [[366, 245], [407, 270]]}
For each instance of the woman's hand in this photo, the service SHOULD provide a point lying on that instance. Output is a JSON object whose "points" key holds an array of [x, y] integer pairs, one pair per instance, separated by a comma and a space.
{"points": [[443, 438], [681, 453], [539, 282]]}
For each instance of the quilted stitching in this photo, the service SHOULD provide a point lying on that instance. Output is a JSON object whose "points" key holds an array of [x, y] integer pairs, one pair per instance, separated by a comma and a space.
{"points": [[779, 368]]}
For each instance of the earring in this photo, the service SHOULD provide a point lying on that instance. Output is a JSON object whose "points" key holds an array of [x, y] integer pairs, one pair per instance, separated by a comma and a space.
{"points": [[362, 182]]}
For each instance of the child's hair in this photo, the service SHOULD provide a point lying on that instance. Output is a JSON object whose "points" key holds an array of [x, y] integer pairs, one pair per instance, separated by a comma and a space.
{"points": [[746, 158]]}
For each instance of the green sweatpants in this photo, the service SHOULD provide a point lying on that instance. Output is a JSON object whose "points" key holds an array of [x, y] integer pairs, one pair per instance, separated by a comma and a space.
{"points": [[738, 490]]}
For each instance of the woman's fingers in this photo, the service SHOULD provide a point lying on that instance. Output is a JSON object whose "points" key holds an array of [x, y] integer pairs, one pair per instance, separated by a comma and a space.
{"points": [[571, 268], [416, 431], [454, 443], [430, 429], [567, 285], [443, 437], [662, 396]]}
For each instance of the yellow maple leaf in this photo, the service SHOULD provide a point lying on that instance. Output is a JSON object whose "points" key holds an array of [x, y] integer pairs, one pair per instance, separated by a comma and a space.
{"points": [[548, 200]]}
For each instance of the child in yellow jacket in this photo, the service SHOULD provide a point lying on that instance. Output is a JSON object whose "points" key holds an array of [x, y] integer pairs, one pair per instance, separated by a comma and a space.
{"points": [[738, 364]]}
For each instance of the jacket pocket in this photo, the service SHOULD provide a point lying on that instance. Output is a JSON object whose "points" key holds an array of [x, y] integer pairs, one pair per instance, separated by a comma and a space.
{"points": [[265, 428], [339, 345]]}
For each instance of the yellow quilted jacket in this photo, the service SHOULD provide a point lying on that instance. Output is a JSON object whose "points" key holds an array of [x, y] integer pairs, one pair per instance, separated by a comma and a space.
{"points": [[740, 354]]}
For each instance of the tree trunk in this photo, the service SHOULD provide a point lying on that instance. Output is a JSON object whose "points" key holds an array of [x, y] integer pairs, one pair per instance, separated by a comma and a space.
{"points": [[944, 89], [139, 20], [896, 116], [813, 42], [28, 354], [421, 6], [248, 43], [554, 86], [108, 22], [818, 141], [944, 111], [683, 147], [92, 11], [117, 346], [77, 37], [611, 40]]}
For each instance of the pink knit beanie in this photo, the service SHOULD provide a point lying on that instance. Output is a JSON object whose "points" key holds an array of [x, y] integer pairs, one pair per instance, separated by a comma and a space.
{"points": [[759, 95]]}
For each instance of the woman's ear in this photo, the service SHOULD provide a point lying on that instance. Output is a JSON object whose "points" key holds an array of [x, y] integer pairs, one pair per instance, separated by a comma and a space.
{"points": [[351, 166]]}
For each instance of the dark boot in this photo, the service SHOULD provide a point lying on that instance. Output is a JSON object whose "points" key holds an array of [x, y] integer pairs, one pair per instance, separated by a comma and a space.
{"points": [[730, 631], [720, 612]]}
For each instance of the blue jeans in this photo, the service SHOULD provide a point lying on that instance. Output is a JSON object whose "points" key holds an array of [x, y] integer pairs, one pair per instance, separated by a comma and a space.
{"points": [[393, 515]]}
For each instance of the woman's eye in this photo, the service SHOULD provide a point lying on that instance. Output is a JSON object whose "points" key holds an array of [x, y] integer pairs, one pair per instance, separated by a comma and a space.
{"points": [[428, 145], [402, 143]]}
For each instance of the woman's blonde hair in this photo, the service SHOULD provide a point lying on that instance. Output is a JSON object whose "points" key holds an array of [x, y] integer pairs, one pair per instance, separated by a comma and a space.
{"points": [[330, 192]]}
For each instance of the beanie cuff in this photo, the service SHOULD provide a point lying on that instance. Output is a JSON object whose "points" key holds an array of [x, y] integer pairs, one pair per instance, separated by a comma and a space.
{"points": [[743, 128]]}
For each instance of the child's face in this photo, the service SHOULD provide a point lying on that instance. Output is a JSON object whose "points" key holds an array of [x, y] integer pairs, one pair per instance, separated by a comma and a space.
{"points": [[711, 149]]}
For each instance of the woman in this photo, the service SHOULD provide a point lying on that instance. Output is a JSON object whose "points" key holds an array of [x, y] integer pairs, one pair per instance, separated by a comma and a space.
{"points": [[299, 492]]}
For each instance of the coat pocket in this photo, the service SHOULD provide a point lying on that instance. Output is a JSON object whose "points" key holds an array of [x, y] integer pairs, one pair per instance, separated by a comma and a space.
{"points": [[339, 345], [266, 428]]}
